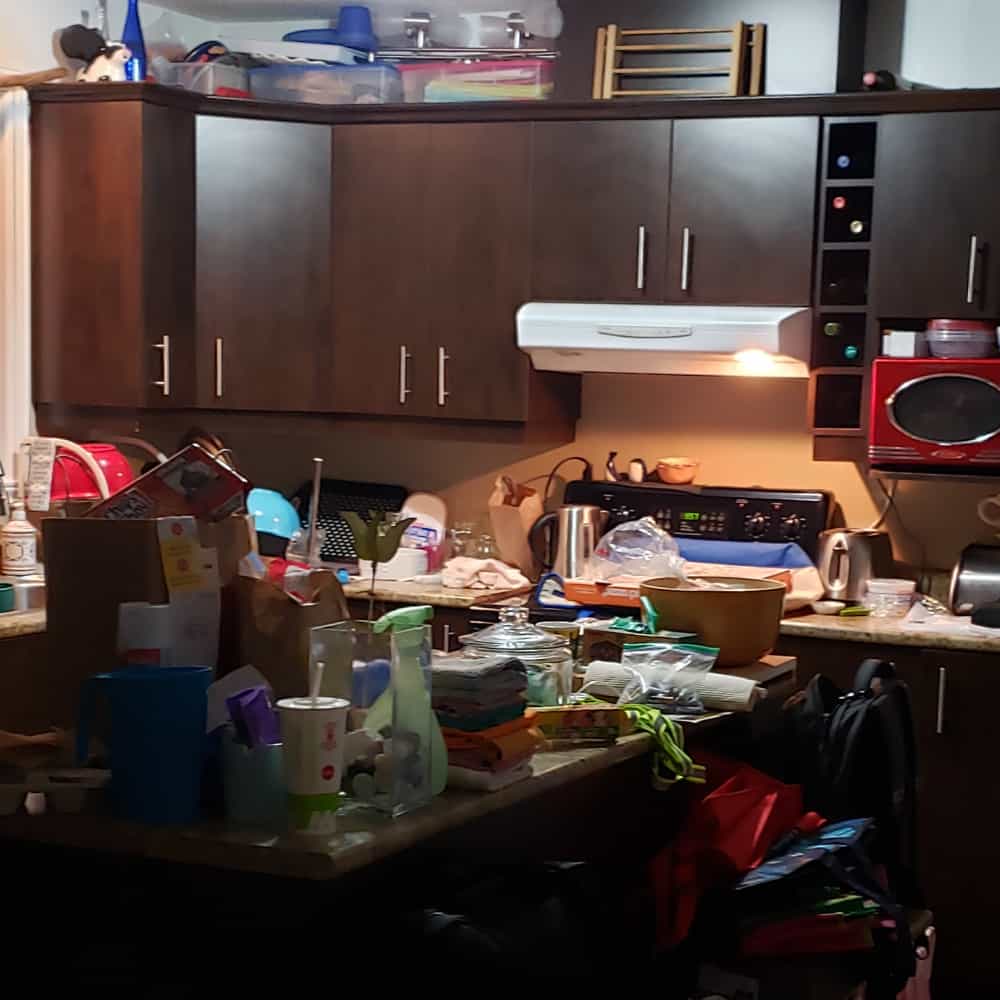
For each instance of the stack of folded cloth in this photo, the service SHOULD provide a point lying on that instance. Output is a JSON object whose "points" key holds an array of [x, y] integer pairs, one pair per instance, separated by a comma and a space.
{"points": [[480, 704]]}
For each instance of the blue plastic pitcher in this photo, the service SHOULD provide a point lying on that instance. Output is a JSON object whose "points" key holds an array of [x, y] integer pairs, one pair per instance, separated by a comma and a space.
{"points": [[157, 739]]}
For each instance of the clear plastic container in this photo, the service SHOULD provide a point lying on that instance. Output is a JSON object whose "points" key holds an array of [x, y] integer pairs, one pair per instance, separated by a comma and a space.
{"points": [[890, 598], [203, 78], [951, 338], [489, 80], [374, 84]]}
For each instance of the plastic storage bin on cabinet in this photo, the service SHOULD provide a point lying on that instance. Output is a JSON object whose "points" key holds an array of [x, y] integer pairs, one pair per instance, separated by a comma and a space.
{"points": [[204, 78], [327, 84], [491, 80]]}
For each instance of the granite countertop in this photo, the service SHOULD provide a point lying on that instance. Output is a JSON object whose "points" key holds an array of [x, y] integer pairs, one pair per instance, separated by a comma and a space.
{"points": [[17, 623], [947, 633], [402, 592]]}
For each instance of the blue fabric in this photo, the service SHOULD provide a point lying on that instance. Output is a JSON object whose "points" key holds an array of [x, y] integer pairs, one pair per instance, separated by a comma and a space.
{"points": [[780, 555]]}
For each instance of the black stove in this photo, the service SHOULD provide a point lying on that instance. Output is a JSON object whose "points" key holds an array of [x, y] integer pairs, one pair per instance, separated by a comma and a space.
{"points": [[722, 513]]}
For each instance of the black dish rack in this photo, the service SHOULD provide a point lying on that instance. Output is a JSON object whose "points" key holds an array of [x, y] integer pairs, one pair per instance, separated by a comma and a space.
{"points": [[337, 495]]}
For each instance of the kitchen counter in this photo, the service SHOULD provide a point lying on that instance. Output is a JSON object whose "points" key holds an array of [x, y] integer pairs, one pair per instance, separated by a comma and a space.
{"points": [[15, 624], [951, 634], [401, 592]]}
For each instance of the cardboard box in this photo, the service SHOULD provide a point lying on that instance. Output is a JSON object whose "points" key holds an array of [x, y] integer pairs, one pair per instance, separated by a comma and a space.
{"points": [[92, 566]]}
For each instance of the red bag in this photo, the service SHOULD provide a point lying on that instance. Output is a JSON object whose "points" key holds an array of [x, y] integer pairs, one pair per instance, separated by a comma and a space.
{"points": [[728, 832]]}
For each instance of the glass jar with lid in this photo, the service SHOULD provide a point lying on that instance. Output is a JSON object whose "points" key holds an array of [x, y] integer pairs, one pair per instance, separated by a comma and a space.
{"points": [[547, 658]]}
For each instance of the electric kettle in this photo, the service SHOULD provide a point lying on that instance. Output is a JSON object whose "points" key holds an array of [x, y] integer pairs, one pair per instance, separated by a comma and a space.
{"points": [[564, 540], [847, 560]]}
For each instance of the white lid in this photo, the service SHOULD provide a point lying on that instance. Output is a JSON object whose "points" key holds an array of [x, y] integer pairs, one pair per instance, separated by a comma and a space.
{"points": [[306, 704], [885, 586]]}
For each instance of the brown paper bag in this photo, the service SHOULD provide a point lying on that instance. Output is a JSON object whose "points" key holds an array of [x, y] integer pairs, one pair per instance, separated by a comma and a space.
{"points": [[514, 508], [274, 630]]}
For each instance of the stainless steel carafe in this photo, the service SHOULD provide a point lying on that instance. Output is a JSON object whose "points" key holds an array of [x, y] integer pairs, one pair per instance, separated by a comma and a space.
{"points": [[564, 540], [847, 560]]}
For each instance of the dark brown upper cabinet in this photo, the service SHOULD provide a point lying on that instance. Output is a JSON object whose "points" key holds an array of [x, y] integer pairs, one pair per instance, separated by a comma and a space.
{"points": [[599, 210], [113, 254], [263, 264], [430, 264], [742, 210], [936, 221]]}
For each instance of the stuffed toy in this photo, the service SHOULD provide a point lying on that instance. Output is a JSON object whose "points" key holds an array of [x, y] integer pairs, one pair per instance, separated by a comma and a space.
{"points": [[104, 62]]}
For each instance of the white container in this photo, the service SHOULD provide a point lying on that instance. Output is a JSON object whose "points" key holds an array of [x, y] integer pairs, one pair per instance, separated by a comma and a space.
{"points": [[904, 344], [404, 565], [19, 544], [887, 598], [979, 341], [313, 737]]}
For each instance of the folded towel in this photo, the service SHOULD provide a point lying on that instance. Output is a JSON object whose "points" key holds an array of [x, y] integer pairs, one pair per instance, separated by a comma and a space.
{"points": [[466, 670], [482, 574], [467, 704], [479, 721], [484, 781], [472, 761], [501, 743]]}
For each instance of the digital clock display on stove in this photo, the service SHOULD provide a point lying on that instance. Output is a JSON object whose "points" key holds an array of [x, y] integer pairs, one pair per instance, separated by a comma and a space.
{"points": [[691, 516]]}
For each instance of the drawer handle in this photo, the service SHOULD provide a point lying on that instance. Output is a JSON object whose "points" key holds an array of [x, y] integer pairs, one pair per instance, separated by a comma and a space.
{"points": [[443, 358], [942, 687]]}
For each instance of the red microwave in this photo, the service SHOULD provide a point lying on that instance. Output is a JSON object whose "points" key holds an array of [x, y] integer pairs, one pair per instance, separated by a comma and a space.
{"points": [[928, 412]]}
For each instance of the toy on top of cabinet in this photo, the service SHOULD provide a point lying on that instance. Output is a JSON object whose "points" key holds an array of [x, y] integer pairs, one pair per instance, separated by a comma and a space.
{"points": [[105, 62]]}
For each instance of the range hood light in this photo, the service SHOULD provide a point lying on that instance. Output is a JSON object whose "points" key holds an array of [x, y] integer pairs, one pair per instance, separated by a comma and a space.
{"points": [[754, 361]]}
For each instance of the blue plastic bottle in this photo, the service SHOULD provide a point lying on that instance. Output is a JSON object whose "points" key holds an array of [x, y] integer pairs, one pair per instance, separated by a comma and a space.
{"points": [[135, 69]]}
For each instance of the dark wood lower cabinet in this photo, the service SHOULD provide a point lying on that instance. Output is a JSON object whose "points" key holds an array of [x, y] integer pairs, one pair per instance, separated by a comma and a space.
{"points": [[959, 806]]}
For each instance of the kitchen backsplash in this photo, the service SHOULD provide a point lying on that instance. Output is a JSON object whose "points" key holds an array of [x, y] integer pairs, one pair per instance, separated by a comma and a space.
{"points": [[744, 431]]}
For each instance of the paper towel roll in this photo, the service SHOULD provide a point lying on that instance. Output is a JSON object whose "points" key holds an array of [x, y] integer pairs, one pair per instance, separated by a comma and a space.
{"points": [[720, 692]]}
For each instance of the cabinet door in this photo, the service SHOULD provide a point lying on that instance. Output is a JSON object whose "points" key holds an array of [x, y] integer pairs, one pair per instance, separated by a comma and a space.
{"points": [[112, 253], [958, 810], [478, 224], [935, 221], [383, 362], [599, 210], [742, 211], [263, 264]]}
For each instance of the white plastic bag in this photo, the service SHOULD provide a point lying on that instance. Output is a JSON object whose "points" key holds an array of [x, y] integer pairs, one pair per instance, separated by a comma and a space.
{"points": [[636, 548]]}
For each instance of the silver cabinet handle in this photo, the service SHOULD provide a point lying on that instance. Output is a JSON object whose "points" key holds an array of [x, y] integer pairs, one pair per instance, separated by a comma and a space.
{"points": [[164, 383], [640, 259], [970, 290], [447, 638], [942, 686], [686, 259], [443, 358], [218, 368], [404, 360]]}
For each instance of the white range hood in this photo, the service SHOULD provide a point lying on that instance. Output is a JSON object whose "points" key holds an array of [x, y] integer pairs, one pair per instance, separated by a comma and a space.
{"points": [[666, 340]]}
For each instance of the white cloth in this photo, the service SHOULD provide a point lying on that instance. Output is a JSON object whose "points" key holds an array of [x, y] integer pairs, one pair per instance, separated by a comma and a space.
{"points": [[464, 573]]}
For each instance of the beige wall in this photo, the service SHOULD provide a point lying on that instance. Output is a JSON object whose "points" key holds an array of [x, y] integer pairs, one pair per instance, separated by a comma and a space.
{"points": [[745, 432]]}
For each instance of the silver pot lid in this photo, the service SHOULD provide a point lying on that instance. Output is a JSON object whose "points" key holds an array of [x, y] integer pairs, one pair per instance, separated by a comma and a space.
{"points": [[515, 634]]}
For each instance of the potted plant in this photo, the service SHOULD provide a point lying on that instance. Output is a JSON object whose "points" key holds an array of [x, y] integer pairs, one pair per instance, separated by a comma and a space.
{"points": [[377, 540]]}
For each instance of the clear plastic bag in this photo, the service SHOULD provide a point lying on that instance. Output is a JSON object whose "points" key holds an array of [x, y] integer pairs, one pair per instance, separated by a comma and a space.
{"points": [[658, 673], [637, 548]]}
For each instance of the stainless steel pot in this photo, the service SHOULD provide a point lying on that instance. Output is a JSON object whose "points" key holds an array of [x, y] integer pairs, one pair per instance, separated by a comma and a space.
{"points": [[975, 580]]}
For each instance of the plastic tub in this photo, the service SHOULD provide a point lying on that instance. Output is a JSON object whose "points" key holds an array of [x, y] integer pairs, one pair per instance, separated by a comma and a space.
{"points": [[490, 80], [373, 84], [204, 78], [887, 598], [961, 338]]}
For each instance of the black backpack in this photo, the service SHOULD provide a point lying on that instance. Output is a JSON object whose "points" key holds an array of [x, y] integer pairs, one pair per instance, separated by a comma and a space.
{"points": [[856, 756]]}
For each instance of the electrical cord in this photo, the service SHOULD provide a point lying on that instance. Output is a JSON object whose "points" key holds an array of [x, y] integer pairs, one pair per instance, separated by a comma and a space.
{"points": [[892, 507], [588, 474]]}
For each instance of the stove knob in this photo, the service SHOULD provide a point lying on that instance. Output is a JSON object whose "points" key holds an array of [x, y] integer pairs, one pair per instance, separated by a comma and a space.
{"points": [[757, 525], [624, 513], [791, 527]]}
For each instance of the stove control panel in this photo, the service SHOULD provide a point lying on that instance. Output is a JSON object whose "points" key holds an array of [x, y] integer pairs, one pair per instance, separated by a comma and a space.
{"points": [[721, 513]]}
